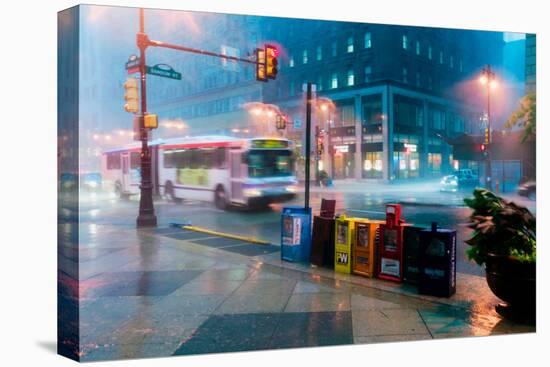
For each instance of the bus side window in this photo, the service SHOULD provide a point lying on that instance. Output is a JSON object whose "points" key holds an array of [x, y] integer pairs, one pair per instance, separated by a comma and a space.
{"points": [[169, 158], [219, 158], [135, 160], [113, 161]]}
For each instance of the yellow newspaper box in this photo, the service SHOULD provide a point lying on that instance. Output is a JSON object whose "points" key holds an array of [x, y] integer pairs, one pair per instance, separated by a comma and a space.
{"points": [[364, 247], [342, 245]]}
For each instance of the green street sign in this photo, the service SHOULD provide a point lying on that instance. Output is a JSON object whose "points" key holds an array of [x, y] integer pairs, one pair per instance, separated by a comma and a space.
{"points": [[163, 70]]}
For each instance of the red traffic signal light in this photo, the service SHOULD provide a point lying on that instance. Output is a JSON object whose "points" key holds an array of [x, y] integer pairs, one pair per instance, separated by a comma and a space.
{"points": [[261, 73], [280, 122], [482, 147], [271, 54]]}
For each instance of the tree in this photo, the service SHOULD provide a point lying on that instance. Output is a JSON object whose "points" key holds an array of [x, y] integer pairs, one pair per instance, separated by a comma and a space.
{"points": [[525, 116]]}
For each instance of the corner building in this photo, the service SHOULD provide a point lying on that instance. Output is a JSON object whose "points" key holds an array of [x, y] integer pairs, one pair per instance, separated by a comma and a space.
{"points": [[396, 91]]}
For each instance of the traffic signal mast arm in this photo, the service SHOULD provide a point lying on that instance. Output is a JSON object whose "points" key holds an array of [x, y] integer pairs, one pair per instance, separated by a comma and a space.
{"points": [[149, 42]]}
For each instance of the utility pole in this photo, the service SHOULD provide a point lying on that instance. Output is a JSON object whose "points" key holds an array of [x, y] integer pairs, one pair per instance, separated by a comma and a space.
{"points": [[146, 217], [308, 143]]}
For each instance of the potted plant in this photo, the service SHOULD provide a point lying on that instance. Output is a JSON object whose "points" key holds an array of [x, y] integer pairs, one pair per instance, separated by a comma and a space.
{"points": [[504, 239]]}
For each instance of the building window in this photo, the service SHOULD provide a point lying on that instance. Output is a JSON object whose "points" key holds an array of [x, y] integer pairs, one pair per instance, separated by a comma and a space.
{"points": [[418, 79], [319, 53], [372, 110], [320, 83], [434, 164], [441, 57], [334, 81], [405, 75], [405, 42], [292, 88], [372, 165], [368, 40], [406, 164], [430, 52], [347, 115], [350, 45], [291, 61], [304, 57], [451, 62], [351, 78], [368, 74], [437, 119], [418, 47], [334, 48], [407, 111]]}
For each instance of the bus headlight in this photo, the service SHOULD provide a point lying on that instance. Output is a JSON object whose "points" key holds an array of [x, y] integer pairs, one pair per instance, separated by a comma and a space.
{"points": [[252, 192]]}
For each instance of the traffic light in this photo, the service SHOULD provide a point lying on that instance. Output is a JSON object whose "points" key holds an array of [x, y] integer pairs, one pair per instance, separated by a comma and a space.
{"points": [[487, 137], [482, 147], [150, 121], [260, 65], [131, 95], [280, 122], [271, 54]]}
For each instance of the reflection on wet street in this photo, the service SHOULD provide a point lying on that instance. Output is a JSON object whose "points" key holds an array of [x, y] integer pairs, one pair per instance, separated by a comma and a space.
{"points": [[165, 291]]}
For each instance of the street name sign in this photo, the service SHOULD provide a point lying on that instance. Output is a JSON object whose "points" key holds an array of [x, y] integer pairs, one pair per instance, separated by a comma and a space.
{"points": [[163, 70], [132, 65]]}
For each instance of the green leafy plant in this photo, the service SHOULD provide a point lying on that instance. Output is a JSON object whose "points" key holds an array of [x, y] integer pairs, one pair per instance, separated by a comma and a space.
{"points": [[525, 116], [500, 227]]}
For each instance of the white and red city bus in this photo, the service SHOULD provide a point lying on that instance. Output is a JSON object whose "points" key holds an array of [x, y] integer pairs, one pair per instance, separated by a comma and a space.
{"points": [[221, 169]]}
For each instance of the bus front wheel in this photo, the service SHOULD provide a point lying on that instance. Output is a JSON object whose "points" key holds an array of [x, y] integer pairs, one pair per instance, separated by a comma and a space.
{"points": [[220, 198]]}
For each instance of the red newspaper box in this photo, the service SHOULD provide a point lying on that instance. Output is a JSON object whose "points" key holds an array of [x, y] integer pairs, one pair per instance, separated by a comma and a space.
{"points": [[390, 250]]}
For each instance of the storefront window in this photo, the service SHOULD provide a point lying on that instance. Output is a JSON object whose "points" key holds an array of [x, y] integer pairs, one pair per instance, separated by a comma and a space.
{"points": [[406, 165], [372, 165], [434, 164]]}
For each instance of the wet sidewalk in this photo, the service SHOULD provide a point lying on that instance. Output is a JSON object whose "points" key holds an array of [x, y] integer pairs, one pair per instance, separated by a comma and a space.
{"points": [[163, 292]]}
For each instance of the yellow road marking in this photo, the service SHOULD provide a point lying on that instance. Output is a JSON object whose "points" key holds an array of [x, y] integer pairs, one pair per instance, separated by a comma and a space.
{"points": [[226, 235]]}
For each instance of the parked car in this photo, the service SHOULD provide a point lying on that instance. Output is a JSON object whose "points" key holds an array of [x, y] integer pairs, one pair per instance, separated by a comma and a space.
{"points": [[463, 179], [528, 189]]}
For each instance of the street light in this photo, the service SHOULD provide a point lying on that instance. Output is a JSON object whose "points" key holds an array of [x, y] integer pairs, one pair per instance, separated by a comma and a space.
{"points": [[488, 80], [326, 105]]}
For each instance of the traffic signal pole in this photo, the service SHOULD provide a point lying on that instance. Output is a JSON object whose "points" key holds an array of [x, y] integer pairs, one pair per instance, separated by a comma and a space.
{"points": [[146, 217], [308, 144]]}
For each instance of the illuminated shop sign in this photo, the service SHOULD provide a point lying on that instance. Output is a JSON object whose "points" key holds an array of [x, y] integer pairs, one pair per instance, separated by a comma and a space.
{"points": [[341, 148]]}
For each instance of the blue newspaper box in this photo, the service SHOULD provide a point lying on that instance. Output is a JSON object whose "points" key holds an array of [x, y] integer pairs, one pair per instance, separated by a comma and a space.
{"points": [[296, 234], [437, 262]]}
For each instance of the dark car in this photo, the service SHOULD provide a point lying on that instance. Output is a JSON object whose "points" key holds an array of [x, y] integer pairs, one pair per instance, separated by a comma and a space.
{"points": [[528, 189], [463, 179]]}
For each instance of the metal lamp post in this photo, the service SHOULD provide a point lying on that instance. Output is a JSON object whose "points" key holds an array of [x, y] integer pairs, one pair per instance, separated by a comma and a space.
{"points": [[146, 217], [488, 79]]}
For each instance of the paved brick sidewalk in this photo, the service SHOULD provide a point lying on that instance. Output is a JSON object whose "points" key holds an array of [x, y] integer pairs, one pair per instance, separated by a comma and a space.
{"points": [[153, 293]]}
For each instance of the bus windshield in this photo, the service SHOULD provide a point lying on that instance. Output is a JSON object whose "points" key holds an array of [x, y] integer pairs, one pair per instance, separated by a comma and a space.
{"points": [[270, 163]]}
